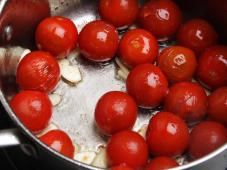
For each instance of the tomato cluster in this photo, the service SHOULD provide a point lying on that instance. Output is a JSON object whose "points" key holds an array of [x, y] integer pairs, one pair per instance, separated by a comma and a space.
{"points": [[154, 80]]}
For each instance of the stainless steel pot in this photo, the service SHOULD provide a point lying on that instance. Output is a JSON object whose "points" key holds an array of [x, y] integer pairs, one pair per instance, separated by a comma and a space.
{"points": [[17, 22]]}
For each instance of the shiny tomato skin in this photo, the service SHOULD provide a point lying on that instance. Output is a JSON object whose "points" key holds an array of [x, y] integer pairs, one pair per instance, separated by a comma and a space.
{"points": [[197, 34], [167, 135], [33, 108], [212, 67], [177, 63], [161, 163], [114, 112], [59, 141], [187, 100], [121, 167], [38, 70], [57, 35], [205, 138], [98, 41], [127, 147], [147, 85], [162, 18], [119, 12], [217, 105], [138, 46]]}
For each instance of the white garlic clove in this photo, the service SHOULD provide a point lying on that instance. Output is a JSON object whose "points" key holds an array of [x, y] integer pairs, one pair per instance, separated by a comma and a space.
{"points": [[100, 160], [85, 157], [55, 99], [71, 74]]}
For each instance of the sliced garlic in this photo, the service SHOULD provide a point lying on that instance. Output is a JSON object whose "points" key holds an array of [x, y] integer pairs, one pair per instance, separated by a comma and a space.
{"points": [[143, 130], [121, 66], [100, 160], [63, 62], [122, 75], [50, 127], [71, 74], [55, 98], [85, 157]]}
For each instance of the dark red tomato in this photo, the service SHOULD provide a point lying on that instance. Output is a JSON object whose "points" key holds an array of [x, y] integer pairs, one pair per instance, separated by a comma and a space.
{"points": [[119, 12], [127, 147], [178, 63], [38, 70], [205, 138], [138, 46], [121, 167], [147, 85], [162, 18], [217, 105], [98, 41], [212, 68], [161, 163], [167, 135], [59, 141], [187, 100], [114, 112], [197, 34], [57, 35], [33, 108]]}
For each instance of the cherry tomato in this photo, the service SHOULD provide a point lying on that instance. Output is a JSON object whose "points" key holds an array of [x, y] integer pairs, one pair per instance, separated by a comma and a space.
{"points": [[38, 70], [98, 41], [162, 18], [57, 35], [138, 46], [161, 163], [197, 34], [59, 141], [205, 138], [187, 100], [178, 63], [212, 68], [33, 108], [114, 112], [147, 85], [121, 167], [167, 135], [119, 12], [217, 105], [127, 147]]}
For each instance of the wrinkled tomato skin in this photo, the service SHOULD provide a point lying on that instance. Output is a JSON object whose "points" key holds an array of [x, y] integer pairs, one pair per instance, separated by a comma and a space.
{"points": [[217, 105], [197, 34], [120, 13], [212, 67], [167, 135], [187, 100], [57, 35], [127, 147], [33, 108], [59, 141], [161, 163], [177, 63], [162, 18], [147, 85], [114, 112], [121, 167], [205, 138], [98, 41], [38, 70], [138, 46]]}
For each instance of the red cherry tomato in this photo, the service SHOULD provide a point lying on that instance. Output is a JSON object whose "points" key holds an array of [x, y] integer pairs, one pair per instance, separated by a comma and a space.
{"points": [[127, 147], [38, 71], [57, 35], [121, 167], [147, 85], [212, 68], [167, 135], [119, 12], [177, 63], [205, 138], [114, 112], [217, 105], [138, 46], [162, 18], [187, 100], [59, 141], [98, 41], [33, 108], [161, 163], [197, 34]]}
